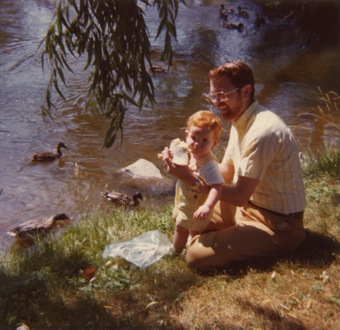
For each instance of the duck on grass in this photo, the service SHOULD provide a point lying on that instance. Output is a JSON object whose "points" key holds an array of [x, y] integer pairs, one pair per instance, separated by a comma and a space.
{"points": [[120, 199]]}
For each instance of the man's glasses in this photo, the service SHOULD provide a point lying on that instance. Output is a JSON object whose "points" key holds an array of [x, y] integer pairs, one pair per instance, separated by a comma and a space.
{"points": [[217, 97]]}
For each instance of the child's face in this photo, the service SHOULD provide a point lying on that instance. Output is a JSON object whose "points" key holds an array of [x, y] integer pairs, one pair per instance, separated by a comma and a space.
{"points": [[200, 141]]}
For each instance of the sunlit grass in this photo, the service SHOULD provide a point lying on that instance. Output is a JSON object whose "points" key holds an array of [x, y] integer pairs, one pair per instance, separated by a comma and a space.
{"points": [[328, 111], [325, 160], [323, 122]]}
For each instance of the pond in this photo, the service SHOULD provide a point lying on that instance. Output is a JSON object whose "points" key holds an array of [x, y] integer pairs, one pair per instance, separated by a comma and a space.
{"points": [[289, 68]]}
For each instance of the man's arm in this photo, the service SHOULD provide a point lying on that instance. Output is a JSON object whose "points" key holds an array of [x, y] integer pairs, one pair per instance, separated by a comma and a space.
{"points": [[240, 193], [227, 172]]}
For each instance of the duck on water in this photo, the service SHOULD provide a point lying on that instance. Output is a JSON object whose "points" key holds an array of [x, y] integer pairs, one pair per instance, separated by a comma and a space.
{"points": [[49, 156]]}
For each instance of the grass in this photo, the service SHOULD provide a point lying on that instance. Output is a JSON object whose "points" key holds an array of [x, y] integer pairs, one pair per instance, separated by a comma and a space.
{"points": [[64, 283]]}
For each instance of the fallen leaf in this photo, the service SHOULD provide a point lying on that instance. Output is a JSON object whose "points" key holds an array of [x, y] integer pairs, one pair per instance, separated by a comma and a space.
{"points": [[325, 277], [152, 303], [23, 326], [309, 303], [89, 273], [283, 306]]}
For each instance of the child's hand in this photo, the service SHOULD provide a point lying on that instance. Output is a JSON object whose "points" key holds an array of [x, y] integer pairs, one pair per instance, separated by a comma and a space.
{"points": [[202, 212], [167, 156]]}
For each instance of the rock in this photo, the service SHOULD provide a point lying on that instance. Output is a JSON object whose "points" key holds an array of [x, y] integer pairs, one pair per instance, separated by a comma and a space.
{"points": [[143, 168], [142, 176]]}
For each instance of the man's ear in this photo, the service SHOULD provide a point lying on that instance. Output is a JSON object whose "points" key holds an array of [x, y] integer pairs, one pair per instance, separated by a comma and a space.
{"points": [[247, 89]]}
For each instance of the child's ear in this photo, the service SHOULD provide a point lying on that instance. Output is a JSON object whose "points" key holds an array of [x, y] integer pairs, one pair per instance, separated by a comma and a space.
{"points": [[186, 133], [216, 141]]}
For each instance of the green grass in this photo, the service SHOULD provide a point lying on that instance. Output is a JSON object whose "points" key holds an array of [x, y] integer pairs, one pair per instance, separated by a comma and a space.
{"points": [[62, 282]]}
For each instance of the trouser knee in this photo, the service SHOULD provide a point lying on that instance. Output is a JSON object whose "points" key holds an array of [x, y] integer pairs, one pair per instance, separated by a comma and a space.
{"points": [[192, 260]]}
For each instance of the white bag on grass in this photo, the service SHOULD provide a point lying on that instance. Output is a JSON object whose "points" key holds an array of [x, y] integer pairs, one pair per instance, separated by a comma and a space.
{"points": [[142, 250]]}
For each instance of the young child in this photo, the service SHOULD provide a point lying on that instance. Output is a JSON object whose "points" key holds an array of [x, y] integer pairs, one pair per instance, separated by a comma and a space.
{"points": [[193, 205]]}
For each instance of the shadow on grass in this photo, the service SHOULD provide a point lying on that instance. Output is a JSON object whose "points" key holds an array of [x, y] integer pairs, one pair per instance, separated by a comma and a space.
{"points": [[317, 250], [53, 295], [43, 299], [273, 318]]}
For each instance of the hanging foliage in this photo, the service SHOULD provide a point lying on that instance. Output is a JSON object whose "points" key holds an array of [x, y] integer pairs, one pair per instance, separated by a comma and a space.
{"points": [[113, 37]]}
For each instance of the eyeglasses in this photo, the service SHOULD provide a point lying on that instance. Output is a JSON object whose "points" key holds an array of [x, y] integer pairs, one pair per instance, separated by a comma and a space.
{"points": [[217, 97]]}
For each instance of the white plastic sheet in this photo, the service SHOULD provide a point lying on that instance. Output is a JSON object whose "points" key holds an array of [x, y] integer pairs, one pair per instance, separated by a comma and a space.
{"points": [[142, 250]]}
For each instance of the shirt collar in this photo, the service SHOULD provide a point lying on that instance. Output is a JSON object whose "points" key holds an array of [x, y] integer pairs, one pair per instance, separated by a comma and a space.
{"points": [[194, 165]]}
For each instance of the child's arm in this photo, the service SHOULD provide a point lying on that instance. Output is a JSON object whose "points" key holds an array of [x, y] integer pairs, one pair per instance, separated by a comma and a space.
{"points": [[213, 196]]}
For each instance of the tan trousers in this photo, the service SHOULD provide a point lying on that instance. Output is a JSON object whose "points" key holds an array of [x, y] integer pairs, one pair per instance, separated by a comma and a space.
{"points": [[245, 233]]}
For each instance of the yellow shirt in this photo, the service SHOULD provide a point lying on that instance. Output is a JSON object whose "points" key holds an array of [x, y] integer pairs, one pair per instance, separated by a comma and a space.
{"points": [[188, 198], [262, 147]]}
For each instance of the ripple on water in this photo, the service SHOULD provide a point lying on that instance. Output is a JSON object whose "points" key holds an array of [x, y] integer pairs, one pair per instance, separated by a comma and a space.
{"points": [[287, 74]]}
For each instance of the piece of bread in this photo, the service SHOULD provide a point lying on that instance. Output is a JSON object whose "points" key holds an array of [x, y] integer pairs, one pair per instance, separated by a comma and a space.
{"points": [[180, 152]]}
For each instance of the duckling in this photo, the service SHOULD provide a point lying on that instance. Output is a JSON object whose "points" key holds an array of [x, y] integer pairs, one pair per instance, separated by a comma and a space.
{"points": [[31, 228], [234, 26], [259, 20], [157, 69], [48, 156], [229, 11], [223, 15], [243, 13], [122, 199]]}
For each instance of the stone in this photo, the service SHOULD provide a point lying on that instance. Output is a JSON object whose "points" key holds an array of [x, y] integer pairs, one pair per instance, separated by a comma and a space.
{"points": [[143, 168]]}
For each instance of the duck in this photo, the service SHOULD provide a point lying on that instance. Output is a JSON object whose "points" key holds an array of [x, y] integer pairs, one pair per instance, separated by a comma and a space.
{"points": [[48, 156], [120, 199], [157, 69], [259, 20], [243, 13], [32, 228], [234, 26]]}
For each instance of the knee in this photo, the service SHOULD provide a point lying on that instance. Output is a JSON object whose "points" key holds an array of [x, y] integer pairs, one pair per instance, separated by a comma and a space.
{"points": [[181, 230], [194, 258]]}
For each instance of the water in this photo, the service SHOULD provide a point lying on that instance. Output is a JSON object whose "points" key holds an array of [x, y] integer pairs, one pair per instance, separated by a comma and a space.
{"points": [[288, 71]]}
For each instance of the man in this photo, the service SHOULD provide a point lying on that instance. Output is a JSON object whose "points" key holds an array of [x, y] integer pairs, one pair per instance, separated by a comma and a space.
{"points": [[260, 213]]}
